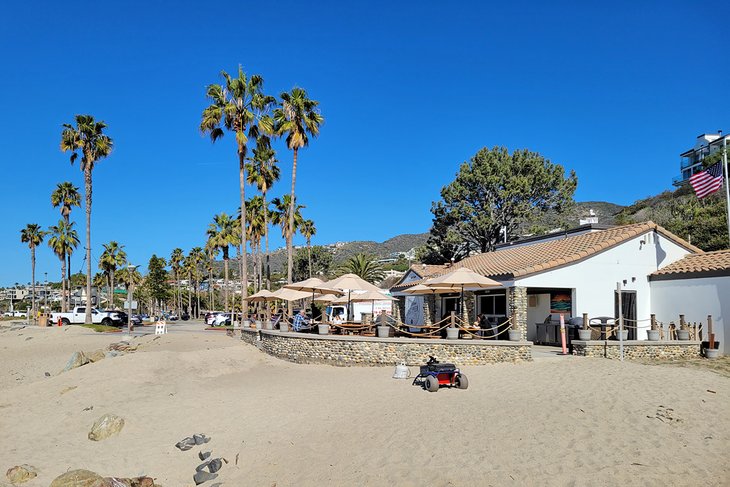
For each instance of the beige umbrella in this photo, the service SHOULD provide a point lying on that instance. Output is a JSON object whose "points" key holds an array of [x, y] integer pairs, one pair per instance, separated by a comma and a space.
{"points": [[371, 296], [351, 282], [461, 278], [325, 298], [421, 289], [290, 294], [315, 285], [261, 296]]}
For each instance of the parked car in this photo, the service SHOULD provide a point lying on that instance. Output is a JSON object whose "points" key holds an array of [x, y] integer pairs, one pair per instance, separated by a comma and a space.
{"points": [[78, 316], [210, 317], [185, 316], [121, 319], [222, 319]]}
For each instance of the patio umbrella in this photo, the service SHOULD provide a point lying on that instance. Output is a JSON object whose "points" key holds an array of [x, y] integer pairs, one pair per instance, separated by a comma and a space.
{"points": [[461, 278], [289, 294], [325, 298], [351, 282], [315, 285], [420, 289], [261, 296], [372, 296]]}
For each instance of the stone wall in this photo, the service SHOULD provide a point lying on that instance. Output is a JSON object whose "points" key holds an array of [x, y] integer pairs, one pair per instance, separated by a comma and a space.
{"points": [[634, 349], [371, 351]]}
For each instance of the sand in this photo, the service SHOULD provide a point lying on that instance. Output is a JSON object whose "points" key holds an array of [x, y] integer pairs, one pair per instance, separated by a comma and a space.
{"points": [[561, 421]]}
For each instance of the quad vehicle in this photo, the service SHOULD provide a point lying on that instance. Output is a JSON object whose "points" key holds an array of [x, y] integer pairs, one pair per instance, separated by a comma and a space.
{"points": [[434, 375]]}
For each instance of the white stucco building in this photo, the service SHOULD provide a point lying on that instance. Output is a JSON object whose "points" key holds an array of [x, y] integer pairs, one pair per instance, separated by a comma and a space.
{"points": [[571, 273]]}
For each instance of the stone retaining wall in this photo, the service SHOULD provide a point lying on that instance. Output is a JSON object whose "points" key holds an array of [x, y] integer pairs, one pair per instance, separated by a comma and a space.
{"points": [[355, 350], [674, 349]]}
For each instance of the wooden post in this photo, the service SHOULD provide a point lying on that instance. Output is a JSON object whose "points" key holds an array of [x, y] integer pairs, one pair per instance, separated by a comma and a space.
{"points": [[710, 334], [585, 321], [653, 321], [682, 323], [453, 319]]}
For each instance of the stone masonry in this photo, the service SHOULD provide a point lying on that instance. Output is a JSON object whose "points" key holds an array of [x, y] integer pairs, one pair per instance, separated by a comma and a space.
{"points": [[371, 351], [517, 301], [635, 349]]}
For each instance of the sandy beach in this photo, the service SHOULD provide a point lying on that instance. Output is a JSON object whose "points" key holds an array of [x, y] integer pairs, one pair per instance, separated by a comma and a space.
{"points": [[554, 421]]}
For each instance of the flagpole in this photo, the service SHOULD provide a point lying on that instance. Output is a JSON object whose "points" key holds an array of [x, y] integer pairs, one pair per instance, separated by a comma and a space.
{"points": [[727, 182]]}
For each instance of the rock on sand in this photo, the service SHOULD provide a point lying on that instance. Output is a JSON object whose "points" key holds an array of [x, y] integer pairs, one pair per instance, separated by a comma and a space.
{"points": [[106, 426], [76, 478], [21, 473]]}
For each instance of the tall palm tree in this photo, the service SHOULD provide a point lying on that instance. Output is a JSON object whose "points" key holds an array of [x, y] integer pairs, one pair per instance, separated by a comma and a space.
{"points": [[176, 260], [364, 266], [297, 118], [111, 259], [221, 235], [64, 238], [66, 196], [238, 106], [129, 277], [88, 139], [197, 256], [309, 230], [188, 268], [255, 230], [33, 236], [263, 172], [211, 252]]}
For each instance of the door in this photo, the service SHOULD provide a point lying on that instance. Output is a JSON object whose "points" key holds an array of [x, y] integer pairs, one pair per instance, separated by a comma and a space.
{"points": [[628, 306], [448, 305]]}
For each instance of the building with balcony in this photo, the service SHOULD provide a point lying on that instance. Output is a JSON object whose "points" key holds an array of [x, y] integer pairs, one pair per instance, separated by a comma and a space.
{"points": [[691, 161]]}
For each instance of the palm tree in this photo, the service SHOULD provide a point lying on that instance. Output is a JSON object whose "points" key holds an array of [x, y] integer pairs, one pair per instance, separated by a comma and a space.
{"points": [[63, 240], [280, 215], [89, 140], [255, 230], [309, 230], [238, 106], [364, 266], [176, 259], [111, 259], [211, 252], [33, 236], [189, 267], [221, 235], [297, 118], [129, 277], [66, 196], [197, 256], [263, 172]]}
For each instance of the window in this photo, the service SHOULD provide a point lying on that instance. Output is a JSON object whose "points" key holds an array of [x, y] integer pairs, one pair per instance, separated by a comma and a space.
{"points": [[493, 305], [81, 310]]}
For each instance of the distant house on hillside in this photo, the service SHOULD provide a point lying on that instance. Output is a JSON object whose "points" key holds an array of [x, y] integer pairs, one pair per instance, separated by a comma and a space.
{"points": [[571, 273], [691, 160]]}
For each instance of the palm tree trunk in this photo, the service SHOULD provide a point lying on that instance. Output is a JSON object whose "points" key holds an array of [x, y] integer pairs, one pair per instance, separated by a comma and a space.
{"points": [[87, 182], [225, 291], [68, 281], [32, 282], [290, 232], [244, 263], [111, 291], [266, 234], [197, 299], [190, 297], [63, 284], [309, 256]]}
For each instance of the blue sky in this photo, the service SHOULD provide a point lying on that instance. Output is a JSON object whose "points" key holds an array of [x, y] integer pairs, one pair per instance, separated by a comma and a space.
{"points": [[409, 90]]}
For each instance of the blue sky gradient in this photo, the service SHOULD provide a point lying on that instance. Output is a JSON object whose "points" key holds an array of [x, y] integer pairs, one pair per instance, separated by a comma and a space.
{"points": [[409, 90]]}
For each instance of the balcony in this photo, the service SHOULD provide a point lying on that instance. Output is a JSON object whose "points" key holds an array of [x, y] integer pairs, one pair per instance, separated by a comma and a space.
{"points": [[679, 180], [686, 162]]}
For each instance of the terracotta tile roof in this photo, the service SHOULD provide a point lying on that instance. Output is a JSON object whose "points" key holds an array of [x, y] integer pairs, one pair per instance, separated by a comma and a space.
{"points": [[717, 262], [542, 256], [513, 262], [424, 271]]}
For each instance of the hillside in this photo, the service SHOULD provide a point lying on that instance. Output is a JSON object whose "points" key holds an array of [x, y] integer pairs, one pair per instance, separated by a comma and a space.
{"points": [[605, 211]]}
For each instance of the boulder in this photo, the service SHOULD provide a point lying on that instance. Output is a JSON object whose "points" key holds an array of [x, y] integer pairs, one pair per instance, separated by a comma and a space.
{"points": [[124, 482], [106, 426], [76, 478], [21, 473], [203, 476], [77, 360], [97, 355]]}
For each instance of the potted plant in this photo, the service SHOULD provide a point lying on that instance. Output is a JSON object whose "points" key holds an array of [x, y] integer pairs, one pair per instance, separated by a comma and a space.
{"points": [[514, 334], [283, 325], [653, 333], [585, 332], [452, 333], [323, 328]]}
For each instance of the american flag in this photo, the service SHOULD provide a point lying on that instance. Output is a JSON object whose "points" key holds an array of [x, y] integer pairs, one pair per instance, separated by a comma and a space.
{"points": [[707, 181]]}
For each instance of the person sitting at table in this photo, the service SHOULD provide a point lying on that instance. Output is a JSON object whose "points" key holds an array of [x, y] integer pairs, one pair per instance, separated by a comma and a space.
{"points": [[337, 319], [300, 321]]}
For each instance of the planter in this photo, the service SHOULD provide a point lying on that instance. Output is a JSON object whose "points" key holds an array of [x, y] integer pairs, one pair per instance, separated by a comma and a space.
{"points": [[514, 335], [622, 335], [283, 326], [584, 335], [259, 325], [712, 353], [324, 329], [682, 334], [652, 335], [452, 333], [246, 324], [268, 325], [383, 331]]}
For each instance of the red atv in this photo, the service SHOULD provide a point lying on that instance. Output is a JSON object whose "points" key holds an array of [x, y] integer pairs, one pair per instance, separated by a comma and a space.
{"points": [[434, 375]]}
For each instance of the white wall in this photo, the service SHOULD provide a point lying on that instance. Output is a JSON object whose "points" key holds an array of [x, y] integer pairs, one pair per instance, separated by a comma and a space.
{"points": [[695, 299], [537, 314], [594, 279]]}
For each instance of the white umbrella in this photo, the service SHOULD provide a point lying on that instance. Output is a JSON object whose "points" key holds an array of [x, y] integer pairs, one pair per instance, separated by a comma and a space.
{"points": [[459, 279], [289, 294], [315, 285], [372, 296], [351, 282]]}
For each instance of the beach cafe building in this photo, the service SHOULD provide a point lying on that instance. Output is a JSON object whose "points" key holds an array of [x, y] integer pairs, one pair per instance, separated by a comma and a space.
{"points": [[570, 273]]}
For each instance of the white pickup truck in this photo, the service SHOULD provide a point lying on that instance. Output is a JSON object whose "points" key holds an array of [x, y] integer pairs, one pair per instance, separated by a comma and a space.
{"points": [[78, 316]]}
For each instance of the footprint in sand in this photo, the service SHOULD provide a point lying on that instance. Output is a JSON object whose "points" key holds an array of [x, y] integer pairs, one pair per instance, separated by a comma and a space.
{"points": [[665, 415]]}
